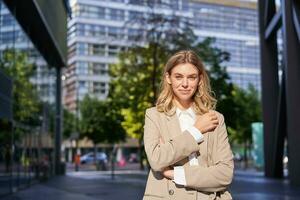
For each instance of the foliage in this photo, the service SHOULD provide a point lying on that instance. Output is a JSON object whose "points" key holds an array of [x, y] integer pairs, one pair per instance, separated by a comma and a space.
{"points": [[26, 104], [136, 77], [69, 123], [15, 64], [248, 109], [140, 79], [99, 123]]}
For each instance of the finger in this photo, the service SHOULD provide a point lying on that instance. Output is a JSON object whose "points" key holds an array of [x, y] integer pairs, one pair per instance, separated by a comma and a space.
{"points": [[214, 118], [212, 114], [161, 141], [213, 127], [215, 122]]}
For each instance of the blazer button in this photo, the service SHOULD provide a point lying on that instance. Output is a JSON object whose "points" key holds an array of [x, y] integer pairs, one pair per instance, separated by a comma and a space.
{"points": [[171, 192]]}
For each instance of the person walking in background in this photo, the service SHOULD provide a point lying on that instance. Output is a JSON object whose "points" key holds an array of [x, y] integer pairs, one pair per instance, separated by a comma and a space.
{"points": [[185, 139]]}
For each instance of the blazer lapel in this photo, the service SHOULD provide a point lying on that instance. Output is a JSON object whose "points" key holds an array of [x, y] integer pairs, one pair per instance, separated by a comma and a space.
{"points": [[173, 125], [173, 128], [203, 149]]}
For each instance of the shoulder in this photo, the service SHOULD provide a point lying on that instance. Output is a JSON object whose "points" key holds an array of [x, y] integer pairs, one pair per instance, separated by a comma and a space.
{"points": [[220, 116], [152, 115], [152, 112]]}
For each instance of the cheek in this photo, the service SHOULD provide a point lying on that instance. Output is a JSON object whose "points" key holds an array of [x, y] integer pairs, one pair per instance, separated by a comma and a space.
{"points": [[175, 86], [175, 83], [194, 84]]}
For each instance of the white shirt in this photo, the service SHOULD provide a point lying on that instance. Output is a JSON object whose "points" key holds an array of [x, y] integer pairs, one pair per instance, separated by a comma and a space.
{"points": [[187, 120]]}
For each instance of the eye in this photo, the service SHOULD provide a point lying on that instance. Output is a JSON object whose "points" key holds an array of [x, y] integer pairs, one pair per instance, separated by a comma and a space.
{"points": [[192, 78], [178, 77]]}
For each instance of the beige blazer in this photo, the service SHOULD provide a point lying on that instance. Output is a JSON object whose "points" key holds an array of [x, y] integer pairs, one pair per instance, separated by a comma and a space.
{"points": [[208, 180]]}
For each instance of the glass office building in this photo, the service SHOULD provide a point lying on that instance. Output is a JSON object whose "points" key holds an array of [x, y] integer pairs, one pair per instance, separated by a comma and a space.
{"points": [[26, 151], [97, 32], [13, 37]]}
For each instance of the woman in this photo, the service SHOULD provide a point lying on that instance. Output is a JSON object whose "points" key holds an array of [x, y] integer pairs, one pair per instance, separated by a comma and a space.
{"points": [[185, 139]]}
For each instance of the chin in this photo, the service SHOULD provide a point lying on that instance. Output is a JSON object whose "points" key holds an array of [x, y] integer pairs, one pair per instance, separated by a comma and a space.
{"points": [[185, 97]]}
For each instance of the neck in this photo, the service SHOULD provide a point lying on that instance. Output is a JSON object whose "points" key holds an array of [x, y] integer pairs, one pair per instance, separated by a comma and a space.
{"points": [[183, 105]]}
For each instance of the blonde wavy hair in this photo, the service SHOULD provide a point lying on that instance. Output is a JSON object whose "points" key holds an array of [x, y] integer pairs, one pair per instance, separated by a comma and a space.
{"points": [[203, 98]]}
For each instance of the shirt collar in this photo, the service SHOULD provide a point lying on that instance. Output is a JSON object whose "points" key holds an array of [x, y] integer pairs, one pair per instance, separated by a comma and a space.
{"points": [[188, 111]]}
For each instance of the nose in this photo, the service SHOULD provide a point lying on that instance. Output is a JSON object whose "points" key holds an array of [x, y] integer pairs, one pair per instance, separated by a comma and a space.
{"points": [[184, 82]]}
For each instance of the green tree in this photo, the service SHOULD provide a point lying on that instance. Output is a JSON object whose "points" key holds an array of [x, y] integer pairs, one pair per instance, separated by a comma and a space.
{"points": [[26, 104], [248, 108], [99, 122], [136, 89], [69, 123], [136, 76], [141, 76]]}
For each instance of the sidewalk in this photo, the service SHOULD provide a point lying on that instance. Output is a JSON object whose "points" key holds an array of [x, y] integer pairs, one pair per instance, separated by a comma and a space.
{"points": [[130, 184], [87, 185]]}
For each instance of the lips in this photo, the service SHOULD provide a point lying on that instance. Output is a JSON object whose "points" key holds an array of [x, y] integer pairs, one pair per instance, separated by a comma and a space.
{"points": [[184, 91]]}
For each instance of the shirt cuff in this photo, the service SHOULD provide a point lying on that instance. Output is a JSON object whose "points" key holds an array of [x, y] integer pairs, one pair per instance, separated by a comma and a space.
{"points": [[179, 175], [195, 133]]}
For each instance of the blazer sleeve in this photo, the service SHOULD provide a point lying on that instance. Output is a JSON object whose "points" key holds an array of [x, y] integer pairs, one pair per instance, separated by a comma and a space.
{"points": [[218, 176], [161, 155]]}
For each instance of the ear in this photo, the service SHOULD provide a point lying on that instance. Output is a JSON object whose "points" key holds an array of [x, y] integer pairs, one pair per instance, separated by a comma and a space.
{"points": [[168, 79]]}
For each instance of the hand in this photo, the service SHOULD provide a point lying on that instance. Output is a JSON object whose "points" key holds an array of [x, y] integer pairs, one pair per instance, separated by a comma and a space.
{"points": [[168, 173], [161, 141], [207, 122]]}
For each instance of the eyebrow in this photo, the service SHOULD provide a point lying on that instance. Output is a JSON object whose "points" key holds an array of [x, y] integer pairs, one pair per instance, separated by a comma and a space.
{"points": [[187, 75]]}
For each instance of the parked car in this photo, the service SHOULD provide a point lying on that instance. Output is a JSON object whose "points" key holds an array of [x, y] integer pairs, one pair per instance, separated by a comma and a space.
{"points": [[101, 158], [133, 158]]}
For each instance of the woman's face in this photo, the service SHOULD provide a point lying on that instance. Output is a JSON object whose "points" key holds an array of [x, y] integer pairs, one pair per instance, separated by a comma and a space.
{"points": [[184, 80]]}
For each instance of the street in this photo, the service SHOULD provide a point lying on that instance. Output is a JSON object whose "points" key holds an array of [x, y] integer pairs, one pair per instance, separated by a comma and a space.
{"points": [[130, 184]]}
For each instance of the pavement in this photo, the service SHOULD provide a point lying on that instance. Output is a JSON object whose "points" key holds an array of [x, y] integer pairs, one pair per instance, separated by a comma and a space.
{"points": [[130, 184]]}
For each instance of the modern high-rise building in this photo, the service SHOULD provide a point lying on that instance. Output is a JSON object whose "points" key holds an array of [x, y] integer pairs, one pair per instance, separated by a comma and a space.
{"points": [[234, 24], [97, 34], [12, 36]]}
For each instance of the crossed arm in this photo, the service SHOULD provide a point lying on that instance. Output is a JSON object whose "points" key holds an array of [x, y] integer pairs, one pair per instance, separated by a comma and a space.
{"points": [[162, 155]]}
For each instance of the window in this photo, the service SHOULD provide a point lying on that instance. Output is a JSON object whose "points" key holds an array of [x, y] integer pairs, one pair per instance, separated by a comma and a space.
{"points": [[98, 68], [97, 49], [115, 33], [99, 87], [113, 50], [137, 2], [81, 84], [120, 1], [81, 48], [89, 11], [116, 14], [135, 15], [7, 20], [81, 68]]}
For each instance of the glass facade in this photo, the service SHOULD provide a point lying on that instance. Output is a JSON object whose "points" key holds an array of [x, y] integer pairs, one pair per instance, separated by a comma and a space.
{"points": [[12, 36], [236, 31], [26, 149], [26, 156]]}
